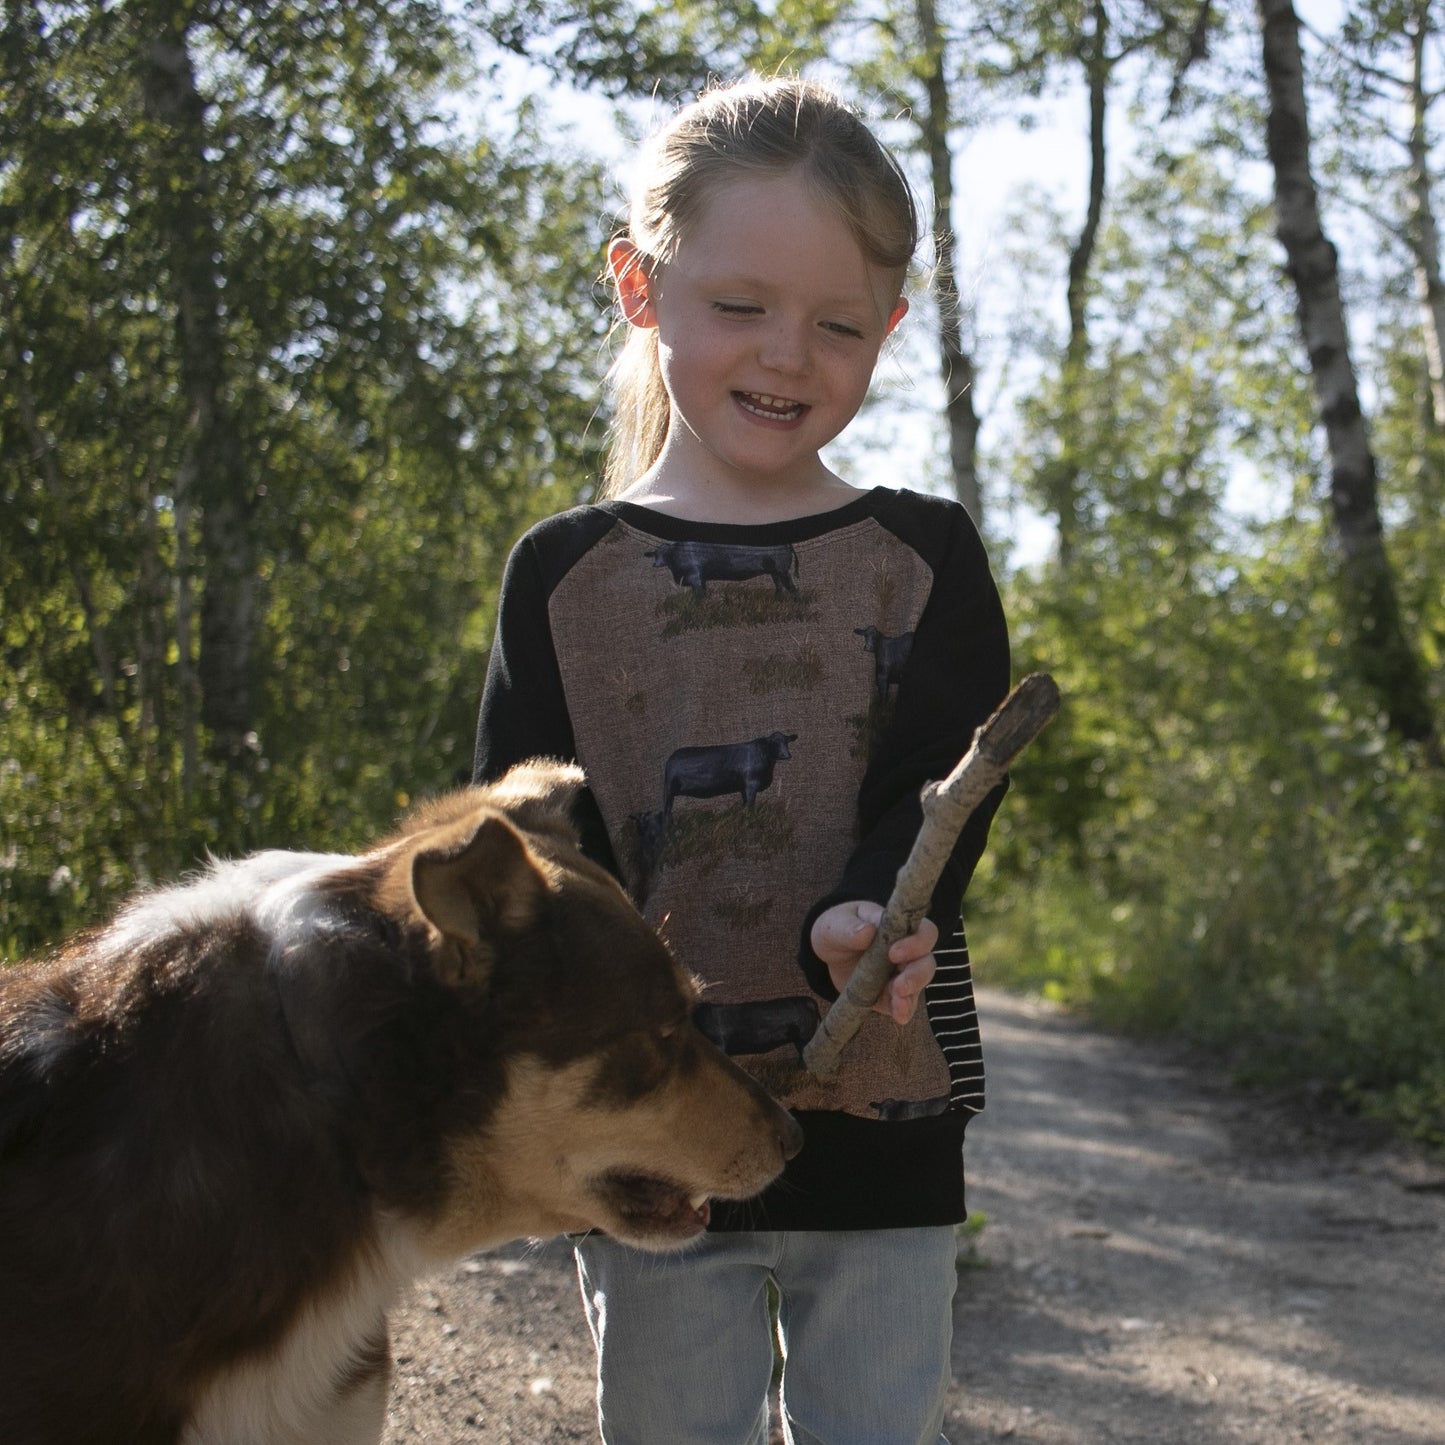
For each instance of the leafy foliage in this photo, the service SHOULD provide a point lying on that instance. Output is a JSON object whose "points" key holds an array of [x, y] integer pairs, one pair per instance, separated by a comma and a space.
{"points": [[1219, 835], [410, 358]]}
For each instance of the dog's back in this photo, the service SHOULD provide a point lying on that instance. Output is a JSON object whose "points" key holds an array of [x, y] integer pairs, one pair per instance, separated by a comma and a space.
{"points": [[234, 1124], [174, 1178]]}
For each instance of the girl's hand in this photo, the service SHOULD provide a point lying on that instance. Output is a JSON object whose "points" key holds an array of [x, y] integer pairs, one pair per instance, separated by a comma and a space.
{"points": [[841, 934]]}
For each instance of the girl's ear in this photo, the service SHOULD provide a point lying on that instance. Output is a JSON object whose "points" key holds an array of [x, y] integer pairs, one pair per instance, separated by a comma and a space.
{"points": [[634, 285], [900, 310]]}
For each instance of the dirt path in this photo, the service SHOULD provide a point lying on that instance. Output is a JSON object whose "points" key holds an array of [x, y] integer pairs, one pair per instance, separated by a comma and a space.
{"points": [[1166, 1261]]}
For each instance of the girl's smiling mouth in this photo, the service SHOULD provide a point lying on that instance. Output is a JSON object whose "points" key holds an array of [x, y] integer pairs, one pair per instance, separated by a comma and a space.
{"points": [[770, 408]]}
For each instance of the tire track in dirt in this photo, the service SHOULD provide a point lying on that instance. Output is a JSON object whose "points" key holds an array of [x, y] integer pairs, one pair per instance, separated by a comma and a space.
{"points": [[1167, 1260]]}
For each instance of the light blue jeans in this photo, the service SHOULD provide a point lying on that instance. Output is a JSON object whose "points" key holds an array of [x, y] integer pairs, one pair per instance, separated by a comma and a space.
{"points": [[685, 1347]]}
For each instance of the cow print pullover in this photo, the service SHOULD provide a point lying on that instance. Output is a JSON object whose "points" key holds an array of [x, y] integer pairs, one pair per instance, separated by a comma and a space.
{"points": [[756, 709]]}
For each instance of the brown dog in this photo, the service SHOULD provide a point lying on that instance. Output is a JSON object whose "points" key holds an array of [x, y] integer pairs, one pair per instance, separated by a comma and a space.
{"points": [[238, 1121]]}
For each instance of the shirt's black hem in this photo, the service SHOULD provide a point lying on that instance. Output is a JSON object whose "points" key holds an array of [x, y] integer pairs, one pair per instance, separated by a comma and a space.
{"points": [[862, 1174]]}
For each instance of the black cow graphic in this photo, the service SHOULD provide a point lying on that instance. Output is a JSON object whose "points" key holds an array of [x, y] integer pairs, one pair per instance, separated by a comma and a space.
{"points": [[695, 564], [711, 772], [889, 656], [758, 1028]]}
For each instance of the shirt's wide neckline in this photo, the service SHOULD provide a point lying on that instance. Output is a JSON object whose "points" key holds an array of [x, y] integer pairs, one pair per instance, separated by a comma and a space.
{"points": [[795, 529]]}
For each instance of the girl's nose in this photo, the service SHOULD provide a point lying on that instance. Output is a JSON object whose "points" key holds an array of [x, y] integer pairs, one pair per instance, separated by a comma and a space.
{"points": [[784, 347]]}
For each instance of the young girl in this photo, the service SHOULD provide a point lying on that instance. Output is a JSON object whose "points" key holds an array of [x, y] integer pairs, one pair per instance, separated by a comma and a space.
{"points": [[759, 666]]}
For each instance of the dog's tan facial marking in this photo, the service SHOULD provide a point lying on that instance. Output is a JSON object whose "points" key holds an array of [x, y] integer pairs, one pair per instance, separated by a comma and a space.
{"points": [[634, 1172]]}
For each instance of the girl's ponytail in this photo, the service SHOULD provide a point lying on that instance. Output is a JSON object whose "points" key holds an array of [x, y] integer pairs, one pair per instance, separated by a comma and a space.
{"points": [[641, 412]]}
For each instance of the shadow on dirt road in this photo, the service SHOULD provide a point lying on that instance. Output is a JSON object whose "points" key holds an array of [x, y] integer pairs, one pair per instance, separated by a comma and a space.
{"points": [[1167, 1261]]}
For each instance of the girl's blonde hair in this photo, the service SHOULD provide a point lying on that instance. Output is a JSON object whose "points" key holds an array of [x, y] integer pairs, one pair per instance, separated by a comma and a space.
{"points": [[764, 127]]}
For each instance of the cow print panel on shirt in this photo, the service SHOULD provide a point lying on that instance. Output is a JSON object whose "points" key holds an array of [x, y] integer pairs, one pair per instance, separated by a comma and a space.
{"points": [[753, 682]]}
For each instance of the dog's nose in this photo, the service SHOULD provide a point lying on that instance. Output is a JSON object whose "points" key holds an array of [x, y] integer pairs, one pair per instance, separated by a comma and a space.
{"points": [[790, 1136]]}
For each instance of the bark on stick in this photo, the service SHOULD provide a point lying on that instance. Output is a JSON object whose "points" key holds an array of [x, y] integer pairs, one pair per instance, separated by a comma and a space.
{"points": [[947, 806]]}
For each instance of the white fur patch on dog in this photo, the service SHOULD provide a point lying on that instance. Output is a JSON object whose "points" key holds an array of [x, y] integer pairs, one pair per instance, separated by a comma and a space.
{"points": [[276, 889], [297, 1394]]}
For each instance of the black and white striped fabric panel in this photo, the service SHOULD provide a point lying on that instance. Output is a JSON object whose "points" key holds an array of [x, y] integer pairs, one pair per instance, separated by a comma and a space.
{"points": [[953, 1015]]}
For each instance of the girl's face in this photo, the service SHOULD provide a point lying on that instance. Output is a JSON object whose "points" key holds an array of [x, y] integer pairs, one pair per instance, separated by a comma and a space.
{"points": [[769, 320]]}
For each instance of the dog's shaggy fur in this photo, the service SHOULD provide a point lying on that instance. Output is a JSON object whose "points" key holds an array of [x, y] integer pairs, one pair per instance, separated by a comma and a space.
{"points": [[235, 1123]]}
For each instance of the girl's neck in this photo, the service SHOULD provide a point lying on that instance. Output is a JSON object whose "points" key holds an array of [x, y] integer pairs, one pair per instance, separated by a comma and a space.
{"points": [[751, 502]]}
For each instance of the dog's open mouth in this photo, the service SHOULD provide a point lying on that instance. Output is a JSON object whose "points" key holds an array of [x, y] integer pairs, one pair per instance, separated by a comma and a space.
{"points": [[652, 1207]]}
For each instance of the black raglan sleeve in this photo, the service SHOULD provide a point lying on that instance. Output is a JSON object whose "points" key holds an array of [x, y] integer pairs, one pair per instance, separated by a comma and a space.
{"points": [[957, 674], [523, 711]]}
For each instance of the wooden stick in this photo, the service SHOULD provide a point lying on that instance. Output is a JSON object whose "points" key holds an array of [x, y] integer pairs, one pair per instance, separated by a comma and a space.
{"points": [[947, 806]]}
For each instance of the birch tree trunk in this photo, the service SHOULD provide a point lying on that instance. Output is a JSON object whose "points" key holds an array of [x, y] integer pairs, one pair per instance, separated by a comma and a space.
{"points": [[958, 370], [1383, 656], [212, 476], [1423, 233]]}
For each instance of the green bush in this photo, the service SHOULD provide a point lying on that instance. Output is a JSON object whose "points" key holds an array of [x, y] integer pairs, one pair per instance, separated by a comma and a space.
{"points": [[1277, 893]]}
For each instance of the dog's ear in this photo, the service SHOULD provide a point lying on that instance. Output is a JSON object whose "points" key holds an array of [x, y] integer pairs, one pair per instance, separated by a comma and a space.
{"points": [[538, 795], [481, 882]]}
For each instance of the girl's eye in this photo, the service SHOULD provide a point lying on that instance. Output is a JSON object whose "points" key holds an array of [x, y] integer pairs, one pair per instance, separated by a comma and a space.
{"points": [[842, 328], [737, 308]]}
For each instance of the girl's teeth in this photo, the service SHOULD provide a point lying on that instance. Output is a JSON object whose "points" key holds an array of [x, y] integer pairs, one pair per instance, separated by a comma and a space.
{"points": [[770, 406]]}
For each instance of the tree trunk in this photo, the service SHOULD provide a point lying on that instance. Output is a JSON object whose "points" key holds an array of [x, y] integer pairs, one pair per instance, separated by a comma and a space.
{"points": [[957, 365], [56, 489], [1097, 68], [1423, 233], [212, 474], [188, 684], [1063, 484], [1383, 656]]}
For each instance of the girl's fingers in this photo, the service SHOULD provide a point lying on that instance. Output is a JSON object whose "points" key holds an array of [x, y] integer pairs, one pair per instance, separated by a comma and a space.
{"points": [[918, 943], [915, 977], [846, 929], [840, 936], [905, 988]]}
